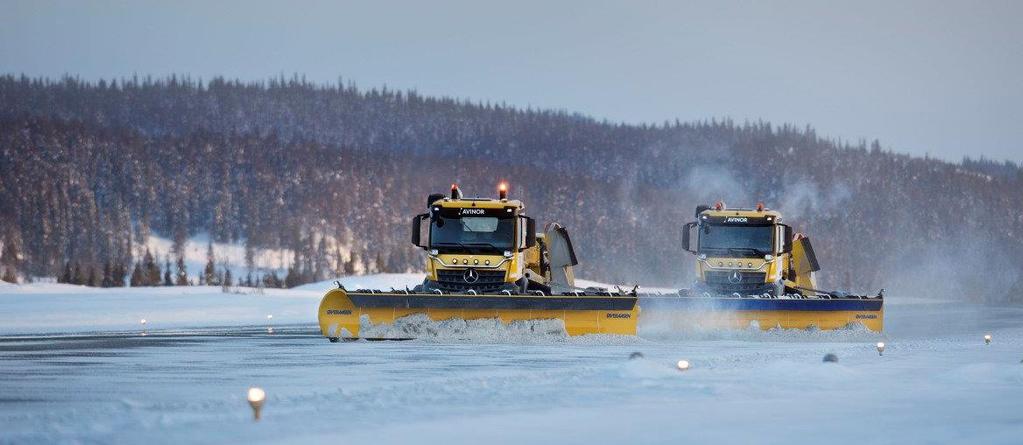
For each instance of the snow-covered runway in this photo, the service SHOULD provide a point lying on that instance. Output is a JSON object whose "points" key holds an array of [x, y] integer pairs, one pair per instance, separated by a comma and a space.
{"points": [[936, 383]]}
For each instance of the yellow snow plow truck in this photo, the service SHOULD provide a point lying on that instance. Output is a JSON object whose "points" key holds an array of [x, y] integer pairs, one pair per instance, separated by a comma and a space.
{"points": [[484, 260], [752, 270]]}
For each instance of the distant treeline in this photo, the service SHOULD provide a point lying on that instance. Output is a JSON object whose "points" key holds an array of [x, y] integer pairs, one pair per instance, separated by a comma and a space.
{"points": [[91, 169], [148, 272]]}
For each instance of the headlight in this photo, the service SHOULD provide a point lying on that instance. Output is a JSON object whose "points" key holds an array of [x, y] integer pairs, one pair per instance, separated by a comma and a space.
{"points": [[454, 261]]}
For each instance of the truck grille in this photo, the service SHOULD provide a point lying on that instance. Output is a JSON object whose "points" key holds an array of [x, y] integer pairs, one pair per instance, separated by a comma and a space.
{"points": [[453, 280], [751, 282]]}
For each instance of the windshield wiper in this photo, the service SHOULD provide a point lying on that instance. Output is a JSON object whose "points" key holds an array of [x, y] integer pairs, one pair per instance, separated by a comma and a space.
{"points": [[482, 244], [713, 249], [448, 244], [752, 250], [467, 245]]}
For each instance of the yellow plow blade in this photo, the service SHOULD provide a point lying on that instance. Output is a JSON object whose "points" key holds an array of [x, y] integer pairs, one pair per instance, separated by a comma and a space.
{"points": [[688, 312], [341, 312]]}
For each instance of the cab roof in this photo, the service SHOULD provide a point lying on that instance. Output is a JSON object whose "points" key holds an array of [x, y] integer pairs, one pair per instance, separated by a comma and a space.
{"points": [[748, 213], [485, 203]]}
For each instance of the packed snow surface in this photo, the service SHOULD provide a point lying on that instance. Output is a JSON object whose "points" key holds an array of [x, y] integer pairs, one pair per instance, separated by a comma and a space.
{"points": [[75, 367]]}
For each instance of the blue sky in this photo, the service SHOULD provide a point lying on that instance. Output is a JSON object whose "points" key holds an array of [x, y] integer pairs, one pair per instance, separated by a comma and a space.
{"points": [[942, 78]]}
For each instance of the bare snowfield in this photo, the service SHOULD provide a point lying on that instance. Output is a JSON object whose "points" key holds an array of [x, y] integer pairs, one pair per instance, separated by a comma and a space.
{"points": [[74, 368]]}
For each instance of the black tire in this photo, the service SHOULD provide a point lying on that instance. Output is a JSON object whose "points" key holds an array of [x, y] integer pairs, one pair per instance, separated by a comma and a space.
{"points": [[333, 339]]}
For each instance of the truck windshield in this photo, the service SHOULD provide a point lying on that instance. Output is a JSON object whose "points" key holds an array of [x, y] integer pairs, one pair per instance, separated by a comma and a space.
{"points": [[472, 234], [738, 241]]}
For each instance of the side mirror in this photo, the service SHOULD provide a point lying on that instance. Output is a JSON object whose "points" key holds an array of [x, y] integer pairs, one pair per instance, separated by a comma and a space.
{"points": [[786, 239], [417, 228], [530, 232], [700, 209], [686, 230], [433, 198]]}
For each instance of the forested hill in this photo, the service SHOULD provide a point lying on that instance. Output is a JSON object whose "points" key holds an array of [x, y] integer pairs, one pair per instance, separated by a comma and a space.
{"points": [[89, 170]]}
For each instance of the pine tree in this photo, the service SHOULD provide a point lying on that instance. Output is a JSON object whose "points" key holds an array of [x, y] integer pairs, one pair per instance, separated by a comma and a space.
{"points": [[167, 280], [272, 280], [66, 277], [108, 275], [228, 280], [151, 270], [182, 275], [10, 259], [138, 278], [77, 277], [294, 276], [250, 257], [210, 272], [9, 276], [291, 279], [350, 265], [95, 278], [339, 262], [119, 272], [308, 270], [321, 267]]}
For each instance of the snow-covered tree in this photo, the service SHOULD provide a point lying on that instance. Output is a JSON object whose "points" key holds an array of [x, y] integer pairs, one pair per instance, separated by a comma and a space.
{"points": [[182, 272]]}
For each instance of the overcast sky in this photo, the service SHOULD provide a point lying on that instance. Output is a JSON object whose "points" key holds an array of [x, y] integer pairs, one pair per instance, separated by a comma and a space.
{"points": [[923, 76]]}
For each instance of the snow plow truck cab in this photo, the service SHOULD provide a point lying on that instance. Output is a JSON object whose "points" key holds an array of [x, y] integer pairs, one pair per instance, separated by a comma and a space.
{"points": [[751, 269]]}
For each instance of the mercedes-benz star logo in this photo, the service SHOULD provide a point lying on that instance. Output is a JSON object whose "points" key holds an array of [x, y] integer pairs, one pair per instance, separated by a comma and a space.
{"points": [[735, 277], [470, 275]]}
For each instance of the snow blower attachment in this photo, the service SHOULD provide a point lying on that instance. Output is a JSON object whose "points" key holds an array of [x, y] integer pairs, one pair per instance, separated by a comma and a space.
{"points": [[753, 271], [485, 261]]}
